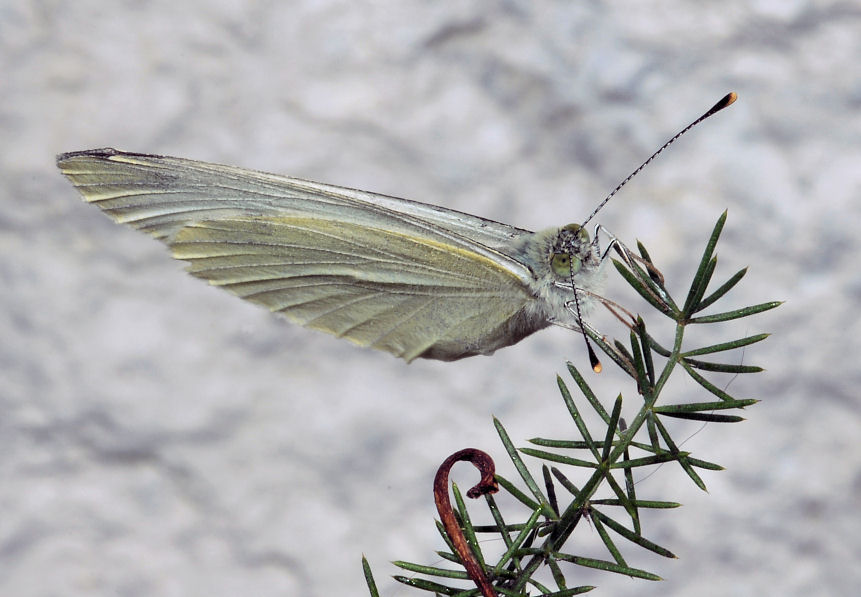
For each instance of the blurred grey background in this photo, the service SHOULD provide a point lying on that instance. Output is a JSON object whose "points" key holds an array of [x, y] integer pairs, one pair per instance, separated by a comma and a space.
{"points": [[160, 437]]}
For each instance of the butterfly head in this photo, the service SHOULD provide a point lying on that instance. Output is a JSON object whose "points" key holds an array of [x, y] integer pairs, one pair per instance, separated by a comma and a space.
{"points": [[572, 251], [574, 254]]}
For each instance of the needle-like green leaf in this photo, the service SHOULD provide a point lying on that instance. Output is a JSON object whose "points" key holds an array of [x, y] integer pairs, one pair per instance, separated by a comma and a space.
{"points": [[637, 503], [641, 288], [426, 585], [631, 536], [630, 501], [608, 542], [723, 346], [466, 523], [645, 350], [512, 489], [643, 381], [722, 367], [702, 276], [647, 460], [706, 383], [721, 291], [689, 469], [518, 540], [703, 406], [550, 489], [705, 417], [575, 415], [608, 566], [571, 444], [611, 428], [736, 313], [587, 392], [430, 570], [551, 457], [369, 577], [570, 592], [711, 466], [521, 467], [566, 483]]}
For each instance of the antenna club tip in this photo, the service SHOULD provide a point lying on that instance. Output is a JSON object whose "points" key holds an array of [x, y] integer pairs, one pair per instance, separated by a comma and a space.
{"points": [[725, 101], [593, 359]]}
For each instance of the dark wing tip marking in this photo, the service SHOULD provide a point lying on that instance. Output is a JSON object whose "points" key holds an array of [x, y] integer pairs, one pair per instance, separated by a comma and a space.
{"points": [[101, 153]]}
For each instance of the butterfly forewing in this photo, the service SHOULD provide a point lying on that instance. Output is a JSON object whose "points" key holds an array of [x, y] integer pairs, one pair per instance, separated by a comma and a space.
{"points": [[161, 193], [383, 272]]}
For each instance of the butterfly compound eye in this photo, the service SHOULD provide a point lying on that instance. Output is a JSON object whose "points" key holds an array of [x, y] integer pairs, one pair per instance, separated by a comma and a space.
{"points": [[564, 265], [577, 230]]}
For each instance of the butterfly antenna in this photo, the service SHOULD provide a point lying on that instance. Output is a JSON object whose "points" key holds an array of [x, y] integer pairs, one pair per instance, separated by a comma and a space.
{"points": [[727, 100], [593, 358]]}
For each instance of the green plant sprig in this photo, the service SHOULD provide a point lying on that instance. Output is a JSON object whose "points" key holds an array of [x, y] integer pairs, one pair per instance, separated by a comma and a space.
{"points": [[539, 540]]}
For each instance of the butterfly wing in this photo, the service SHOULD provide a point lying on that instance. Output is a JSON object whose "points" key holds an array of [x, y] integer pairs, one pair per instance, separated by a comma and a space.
{"points": [[159, 194], [392, 274]]}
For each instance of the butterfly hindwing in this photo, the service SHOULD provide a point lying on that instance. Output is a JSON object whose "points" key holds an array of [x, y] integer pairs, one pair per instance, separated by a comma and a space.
{"points": [[386, 290]]}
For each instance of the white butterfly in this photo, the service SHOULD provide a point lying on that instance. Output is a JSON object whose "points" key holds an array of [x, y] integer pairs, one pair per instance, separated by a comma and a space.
{"points": [[409, 278]]}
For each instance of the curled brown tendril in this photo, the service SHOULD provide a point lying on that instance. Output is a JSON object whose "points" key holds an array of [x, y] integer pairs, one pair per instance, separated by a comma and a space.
{"points": [[484, 463]]}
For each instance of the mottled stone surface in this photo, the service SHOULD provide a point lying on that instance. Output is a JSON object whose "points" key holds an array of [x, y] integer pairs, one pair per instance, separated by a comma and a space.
{"points": [[159, 437]]}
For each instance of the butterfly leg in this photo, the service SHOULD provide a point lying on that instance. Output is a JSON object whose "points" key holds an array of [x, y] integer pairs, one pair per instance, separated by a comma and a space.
{"points": [[597, 245], [628, 256]]}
